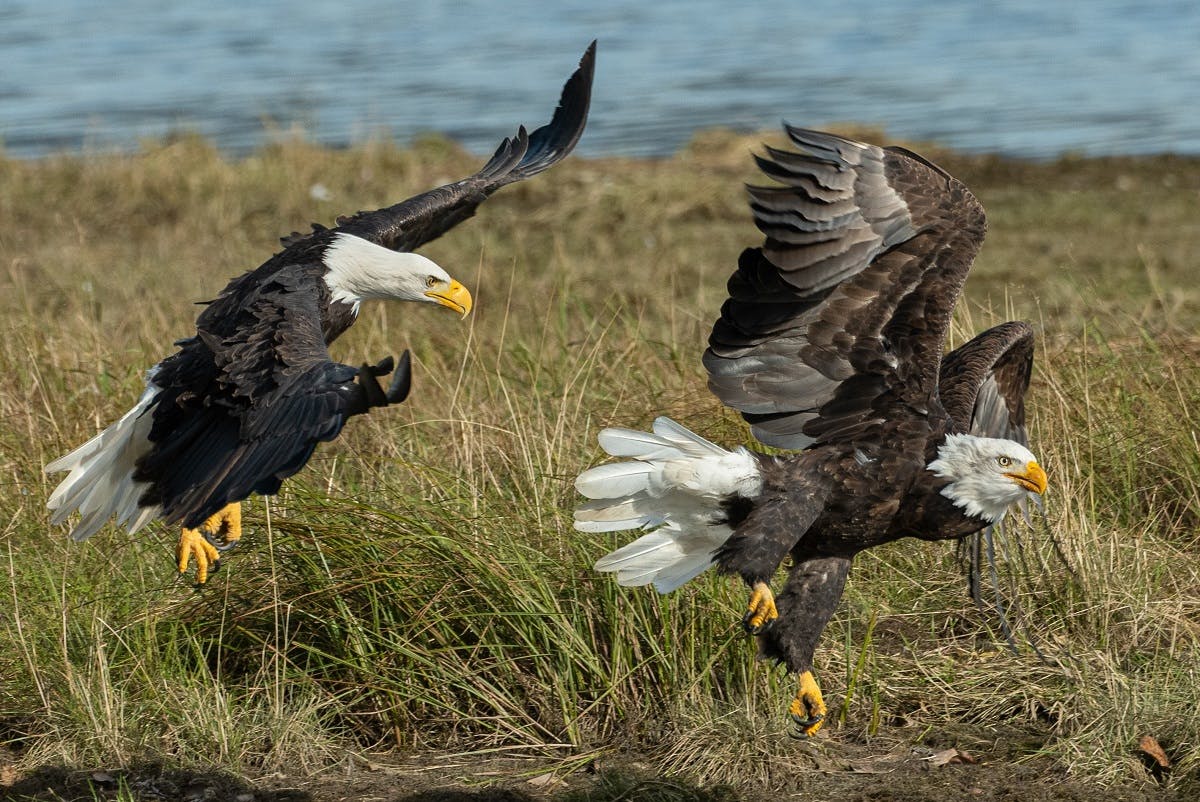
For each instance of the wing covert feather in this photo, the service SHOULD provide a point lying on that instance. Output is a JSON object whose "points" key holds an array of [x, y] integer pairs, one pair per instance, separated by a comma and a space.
{"points": [[983, 382], [865, 253]]}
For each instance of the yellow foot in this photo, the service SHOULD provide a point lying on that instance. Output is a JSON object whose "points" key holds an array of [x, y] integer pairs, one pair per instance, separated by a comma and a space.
{"points": [[219, 533], [808, 708], [761, 610]]}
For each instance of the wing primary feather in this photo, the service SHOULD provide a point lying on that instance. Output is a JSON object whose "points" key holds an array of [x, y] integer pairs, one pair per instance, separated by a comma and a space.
{"points": [[407, 225]]}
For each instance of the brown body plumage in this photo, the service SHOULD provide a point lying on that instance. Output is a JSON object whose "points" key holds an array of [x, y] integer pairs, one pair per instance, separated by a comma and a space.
{"points": [[831, 343]]}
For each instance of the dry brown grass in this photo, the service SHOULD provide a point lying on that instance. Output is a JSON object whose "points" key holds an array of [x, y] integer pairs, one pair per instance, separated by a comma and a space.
{"points": [[423, 585]]}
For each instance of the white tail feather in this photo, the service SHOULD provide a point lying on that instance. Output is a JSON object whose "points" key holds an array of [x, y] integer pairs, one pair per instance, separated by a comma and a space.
{"points": [[681, 572], [603, 515], [614, 480], [676, 481], [632, 443], [100, 483], [686, 441]]}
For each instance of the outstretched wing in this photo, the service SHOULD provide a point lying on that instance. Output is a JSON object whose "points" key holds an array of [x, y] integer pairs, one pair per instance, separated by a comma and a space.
{"points": [[849, 298], [983, 384], [245, 402], [410, 224]]}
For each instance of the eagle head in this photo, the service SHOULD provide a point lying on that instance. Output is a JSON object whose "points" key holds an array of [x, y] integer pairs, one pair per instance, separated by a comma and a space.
{"points": [[357, 270], [987, 475]]}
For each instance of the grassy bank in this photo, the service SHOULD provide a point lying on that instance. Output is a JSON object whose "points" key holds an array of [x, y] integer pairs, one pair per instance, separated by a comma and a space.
{"points": [[419, 584]]}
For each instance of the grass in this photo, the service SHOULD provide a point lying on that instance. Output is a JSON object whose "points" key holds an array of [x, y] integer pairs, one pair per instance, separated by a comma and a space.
{"points": [[419, 584]]}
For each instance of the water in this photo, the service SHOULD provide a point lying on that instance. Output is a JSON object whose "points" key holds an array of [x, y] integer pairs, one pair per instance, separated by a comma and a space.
{"points": [[1023, 77]]}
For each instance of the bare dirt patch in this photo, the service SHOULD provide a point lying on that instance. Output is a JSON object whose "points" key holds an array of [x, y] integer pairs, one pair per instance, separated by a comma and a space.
{"points": [[939, 767]]}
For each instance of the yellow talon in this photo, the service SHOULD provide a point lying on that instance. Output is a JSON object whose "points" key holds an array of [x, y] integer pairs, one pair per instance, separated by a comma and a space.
{"points": [[225, 525], [761, 610], [808, 708], [193, 544]]}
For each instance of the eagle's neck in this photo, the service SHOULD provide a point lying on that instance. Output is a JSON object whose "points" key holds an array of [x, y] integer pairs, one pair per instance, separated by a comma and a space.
{"points": [[357, 270], [980, 492]]}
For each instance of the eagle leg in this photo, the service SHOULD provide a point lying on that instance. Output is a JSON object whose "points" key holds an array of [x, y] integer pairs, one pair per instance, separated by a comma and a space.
{"points": [[808, 708], [761, 610], [218, 533]]}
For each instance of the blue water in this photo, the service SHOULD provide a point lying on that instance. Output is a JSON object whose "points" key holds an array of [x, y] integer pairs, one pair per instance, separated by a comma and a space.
{"points": [[1024, 77]]}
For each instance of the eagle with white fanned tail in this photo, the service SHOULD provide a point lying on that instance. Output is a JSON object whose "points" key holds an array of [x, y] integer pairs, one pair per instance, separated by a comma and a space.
{"points": [[830, 343], [244, 402]]}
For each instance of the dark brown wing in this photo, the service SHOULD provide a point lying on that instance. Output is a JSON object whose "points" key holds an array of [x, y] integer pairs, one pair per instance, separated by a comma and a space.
{"points": [[410, 224], [244, 403], [983, 382], [850, 295]]}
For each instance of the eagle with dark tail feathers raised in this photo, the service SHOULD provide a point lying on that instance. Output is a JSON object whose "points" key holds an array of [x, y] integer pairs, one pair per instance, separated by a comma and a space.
{"points": [[242, 404], [830, 343]]}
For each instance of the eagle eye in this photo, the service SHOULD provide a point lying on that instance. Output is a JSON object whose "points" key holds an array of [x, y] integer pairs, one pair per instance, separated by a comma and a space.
{"points": [[431, 281], [1004, 462]]}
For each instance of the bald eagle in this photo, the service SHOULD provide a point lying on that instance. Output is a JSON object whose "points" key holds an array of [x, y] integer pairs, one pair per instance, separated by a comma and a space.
{"points": [[243, 403], [830, 343]]}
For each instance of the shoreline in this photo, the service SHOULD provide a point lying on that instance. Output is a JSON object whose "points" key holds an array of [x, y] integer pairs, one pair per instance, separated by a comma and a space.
{"points": [[705, 139]]}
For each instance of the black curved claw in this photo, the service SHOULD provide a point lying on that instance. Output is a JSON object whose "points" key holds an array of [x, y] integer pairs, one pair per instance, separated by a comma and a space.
{"points": [[749, 628], [802, 724], [220, 545]]}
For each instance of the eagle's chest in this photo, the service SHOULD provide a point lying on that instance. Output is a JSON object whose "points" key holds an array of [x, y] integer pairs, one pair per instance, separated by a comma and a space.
{"points": [[930, 515], [872, 489]]}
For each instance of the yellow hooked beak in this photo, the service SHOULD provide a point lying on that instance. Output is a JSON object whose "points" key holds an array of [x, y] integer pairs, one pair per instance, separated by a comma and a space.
{"points": [[1033, 479], [452, 295]]}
